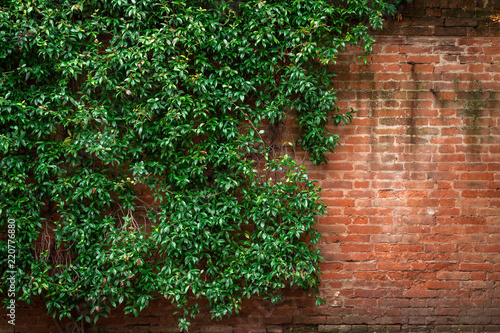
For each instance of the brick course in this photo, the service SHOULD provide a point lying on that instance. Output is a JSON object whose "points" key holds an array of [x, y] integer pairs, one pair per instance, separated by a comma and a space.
{"points": [[412, 238]]}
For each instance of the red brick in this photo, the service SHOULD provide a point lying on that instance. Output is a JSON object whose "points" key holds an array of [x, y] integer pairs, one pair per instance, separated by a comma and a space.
{"points": [[393, 267], [442, 285], [337, 184], [339, 202], [441, 248], [422, 59], [470, 220], [420, 293], [475, 267], [357, 247], [476, 176], [363, 229], [450, 31], [422, 202], [453, 276], [387, 58], [487, 248], [360, 303], [476, 68]]}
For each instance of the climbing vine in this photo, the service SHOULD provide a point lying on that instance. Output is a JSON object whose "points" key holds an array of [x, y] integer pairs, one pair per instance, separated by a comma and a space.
{"points": [[105, 103]]}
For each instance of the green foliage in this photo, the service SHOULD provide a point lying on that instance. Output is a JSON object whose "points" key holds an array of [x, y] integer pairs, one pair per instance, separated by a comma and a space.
{"points": [[100, 100]]}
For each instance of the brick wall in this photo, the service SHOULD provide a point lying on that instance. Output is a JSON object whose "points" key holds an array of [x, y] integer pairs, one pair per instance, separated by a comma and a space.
{"points": [[413, 235], [412, 239]]}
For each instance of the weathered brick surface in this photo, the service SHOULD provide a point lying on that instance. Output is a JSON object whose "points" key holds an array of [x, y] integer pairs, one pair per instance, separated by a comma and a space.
{"points": [[418, 242], [412, 239]]}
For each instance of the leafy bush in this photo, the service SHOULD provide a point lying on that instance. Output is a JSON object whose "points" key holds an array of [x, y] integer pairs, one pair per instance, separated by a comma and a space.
{"points": [[102, 102]]}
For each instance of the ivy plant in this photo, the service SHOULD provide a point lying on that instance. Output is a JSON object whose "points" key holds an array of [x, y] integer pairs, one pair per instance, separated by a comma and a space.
{"points": [[105, 104]]}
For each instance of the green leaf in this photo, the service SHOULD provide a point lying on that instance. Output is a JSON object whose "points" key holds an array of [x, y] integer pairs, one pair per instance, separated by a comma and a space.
{"points": [[142, 140]]}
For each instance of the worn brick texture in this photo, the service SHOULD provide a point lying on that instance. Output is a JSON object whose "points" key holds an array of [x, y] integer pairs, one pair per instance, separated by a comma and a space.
{"points": [[411, 242]]}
